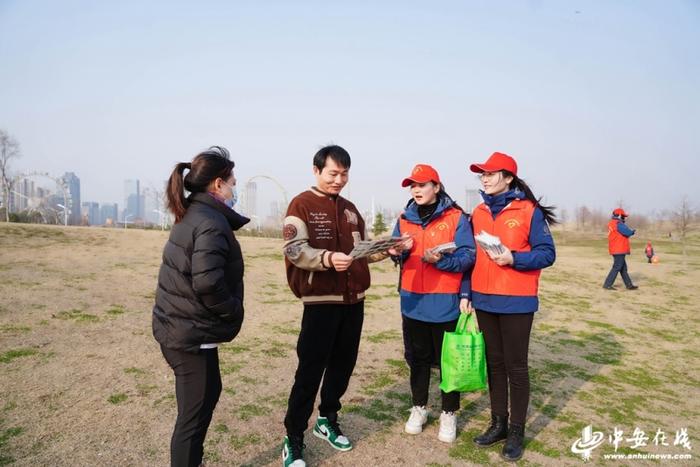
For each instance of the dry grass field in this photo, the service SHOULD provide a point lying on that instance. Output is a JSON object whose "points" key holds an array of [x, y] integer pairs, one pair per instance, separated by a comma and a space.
{"points": [[83, 382]]}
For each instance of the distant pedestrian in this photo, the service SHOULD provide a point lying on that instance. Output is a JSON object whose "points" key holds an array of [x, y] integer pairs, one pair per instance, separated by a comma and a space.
{"points": [[619, 246], [199, 300], [649, 252]]}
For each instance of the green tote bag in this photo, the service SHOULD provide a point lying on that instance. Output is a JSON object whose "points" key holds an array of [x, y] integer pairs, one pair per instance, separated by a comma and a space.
{"points": [[463, 359]]}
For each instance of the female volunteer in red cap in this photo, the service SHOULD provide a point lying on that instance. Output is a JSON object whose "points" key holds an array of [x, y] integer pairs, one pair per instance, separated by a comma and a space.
{"points": [[504, 292], [430, 287]]}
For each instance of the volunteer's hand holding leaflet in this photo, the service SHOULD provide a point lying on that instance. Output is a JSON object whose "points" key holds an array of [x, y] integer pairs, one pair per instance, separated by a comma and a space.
{"points": [[406, 245]]}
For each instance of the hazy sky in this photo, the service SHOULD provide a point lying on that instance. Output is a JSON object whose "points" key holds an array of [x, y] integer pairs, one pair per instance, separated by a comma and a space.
{"points": [[597, 100]]}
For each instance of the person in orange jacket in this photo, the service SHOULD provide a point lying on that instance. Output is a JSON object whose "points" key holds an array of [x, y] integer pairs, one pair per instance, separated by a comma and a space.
{"points": [[619, 246], [504, 289], [649, 252]]}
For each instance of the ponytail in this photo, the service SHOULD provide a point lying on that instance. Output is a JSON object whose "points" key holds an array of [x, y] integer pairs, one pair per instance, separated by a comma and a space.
{"points": [[519, 184], [177, 203], [206, 167]]}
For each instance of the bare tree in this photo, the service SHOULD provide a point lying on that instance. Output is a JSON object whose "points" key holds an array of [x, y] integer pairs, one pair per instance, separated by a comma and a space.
{"points": [[641, 222], [598, 219], [582, 216], [682, 217], [563, 217], [9, 149]]}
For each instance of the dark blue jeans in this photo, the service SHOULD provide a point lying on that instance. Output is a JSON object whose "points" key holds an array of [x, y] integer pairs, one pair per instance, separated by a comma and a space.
{"points": [[619, 265]]}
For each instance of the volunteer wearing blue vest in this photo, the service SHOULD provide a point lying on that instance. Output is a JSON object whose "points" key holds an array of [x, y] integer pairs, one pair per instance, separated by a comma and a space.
{"points": [[504, 293], [430, 286]]}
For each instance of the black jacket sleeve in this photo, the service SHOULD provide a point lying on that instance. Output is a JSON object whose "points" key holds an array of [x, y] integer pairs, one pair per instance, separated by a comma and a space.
{"points": [[209, 256]]}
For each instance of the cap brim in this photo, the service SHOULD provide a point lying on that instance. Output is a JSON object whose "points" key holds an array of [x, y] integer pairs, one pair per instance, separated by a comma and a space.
{"points": [[478, 168], [408, 181]]}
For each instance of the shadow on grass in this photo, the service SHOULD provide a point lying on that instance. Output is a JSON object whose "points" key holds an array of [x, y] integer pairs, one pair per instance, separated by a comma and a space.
{"points": [[560, 364], [383, 402]]}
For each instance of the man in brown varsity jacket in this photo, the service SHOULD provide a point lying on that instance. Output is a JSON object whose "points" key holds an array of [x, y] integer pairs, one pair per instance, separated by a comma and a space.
{"points": [[320, 229]]}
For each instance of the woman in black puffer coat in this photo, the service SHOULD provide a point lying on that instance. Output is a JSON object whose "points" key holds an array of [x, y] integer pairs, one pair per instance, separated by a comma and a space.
{"points": [[199, 300]]}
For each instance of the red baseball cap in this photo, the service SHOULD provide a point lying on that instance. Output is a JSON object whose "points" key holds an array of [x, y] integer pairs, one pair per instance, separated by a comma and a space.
{"points": [[620, 212], [497, 161], [422, 173]]}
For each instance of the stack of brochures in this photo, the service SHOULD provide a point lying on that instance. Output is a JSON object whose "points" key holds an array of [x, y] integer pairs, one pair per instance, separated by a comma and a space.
{"points": [[449, 247], [365, 248], [490, 243]]}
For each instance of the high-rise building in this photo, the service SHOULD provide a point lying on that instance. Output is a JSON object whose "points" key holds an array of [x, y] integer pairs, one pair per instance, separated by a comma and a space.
{"points": [[275, 210], [251, 199], [473, 199], [152, 205], [276, 217], [23, 192], [91, 212], [73, 184], [133, 200], [109, 213]]}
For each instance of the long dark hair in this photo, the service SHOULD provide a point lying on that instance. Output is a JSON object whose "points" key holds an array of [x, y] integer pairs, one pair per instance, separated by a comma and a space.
{"points": [[206, 167], [519, 184]]}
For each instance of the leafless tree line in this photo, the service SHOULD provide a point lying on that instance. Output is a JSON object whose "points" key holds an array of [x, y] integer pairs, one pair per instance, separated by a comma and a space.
{"points": [[9, 149], [678, 222]]}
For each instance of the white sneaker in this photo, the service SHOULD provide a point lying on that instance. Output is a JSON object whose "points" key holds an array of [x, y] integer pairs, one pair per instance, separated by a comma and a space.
{"points": [[419, 415], [448, 427]]}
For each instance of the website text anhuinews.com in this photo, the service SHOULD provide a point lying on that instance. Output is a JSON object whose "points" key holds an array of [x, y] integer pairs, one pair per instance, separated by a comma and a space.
{"points": [[646, 456]]}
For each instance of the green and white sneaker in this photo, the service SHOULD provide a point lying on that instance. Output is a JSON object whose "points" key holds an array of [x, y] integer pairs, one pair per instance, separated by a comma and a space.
{"points": [[293, 452], [330, 431]]}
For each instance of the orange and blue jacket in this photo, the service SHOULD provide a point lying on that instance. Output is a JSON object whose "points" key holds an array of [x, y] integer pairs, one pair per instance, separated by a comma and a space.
{"points": [[523, 230], [431, 292], [618, 237]]}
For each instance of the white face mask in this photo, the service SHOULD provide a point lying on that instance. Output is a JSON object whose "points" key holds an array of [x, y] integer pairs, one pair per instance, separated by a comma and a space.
{"points": [[231, 202]]}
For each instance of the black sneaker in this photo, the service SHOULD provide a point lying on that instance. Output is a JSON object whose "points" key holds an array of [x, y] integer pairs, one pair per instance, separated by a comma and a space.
{"points": [[632, 287]]}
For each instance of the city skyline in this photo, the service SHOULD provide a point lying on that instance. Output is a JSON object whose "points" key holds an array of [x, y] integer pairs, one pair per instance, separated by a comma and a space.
{"points": [[591, 100]]}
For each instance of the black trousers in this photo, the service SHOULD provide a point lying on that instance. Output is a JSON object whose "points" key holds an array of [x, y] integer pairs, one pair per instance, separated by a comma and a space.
{"points": [[327, 349], [197, 389], [507, 338], [425, 341], [619, 265]]}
